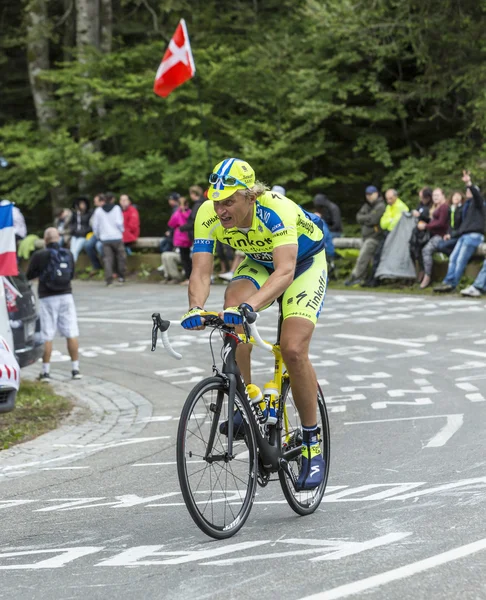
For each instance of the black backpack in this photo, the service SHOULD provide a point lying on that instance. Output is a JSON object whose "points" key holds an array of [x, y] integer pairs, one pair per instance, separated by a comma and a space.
{"points": [[58, 273]]}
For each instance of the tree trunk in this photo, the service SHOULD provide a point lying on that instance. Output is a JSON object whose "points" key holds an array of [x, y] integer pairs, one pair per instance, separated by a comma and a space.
{"points": [[69, 33], [106, 26], [37, 63], [38, 60], [87, 25]]}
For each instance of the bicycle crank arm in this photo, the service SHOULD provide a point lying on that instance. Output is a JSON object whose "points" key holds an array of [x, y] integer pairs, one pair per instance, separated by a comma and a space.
{"points": [[291, 454], [284, 465]]}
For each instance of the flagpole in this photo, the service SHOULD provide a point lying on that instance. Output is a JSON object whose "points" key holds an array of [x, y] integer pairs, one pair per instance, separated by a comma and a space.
{"points": [[203, 121]]}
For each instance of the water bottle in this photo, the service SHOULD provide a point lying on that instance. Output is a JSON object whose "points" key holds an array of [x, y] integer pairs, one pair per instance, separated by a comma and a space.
{"points": [[270, 395], [256, 399]]}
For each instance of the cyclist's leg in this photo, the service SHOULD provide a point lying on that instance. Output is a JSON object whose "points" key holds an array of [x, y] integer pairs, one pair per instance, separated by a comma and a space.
{"points": [[248, 276], [301, 306], [294, 342]]}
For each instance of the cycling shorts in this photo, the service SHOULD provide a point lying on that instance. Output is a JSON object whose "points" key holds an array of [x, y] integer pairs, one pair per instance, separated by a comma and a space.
{"points": [[305, 295]]}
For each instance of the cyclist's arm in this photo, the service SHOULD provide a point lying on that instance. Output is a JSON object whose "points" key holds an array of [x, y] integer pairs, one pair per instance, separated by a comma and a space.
{"points": [[284, 261], [200, 280]]}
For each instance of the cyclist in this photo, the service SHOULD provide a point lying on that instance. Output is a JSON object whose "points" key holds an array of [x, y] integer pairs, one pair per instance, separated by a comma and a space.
{"points": [[285, 256]]}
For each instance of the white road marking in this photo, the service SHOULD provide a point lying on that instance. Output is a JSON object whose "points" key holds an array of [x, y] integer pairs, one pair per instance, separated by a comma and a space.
{"points": [[425, 388], [378, 375], [179, 371], [371, 386], [387, 403], [329, 549], [476, 397], [467, 387], [479, 481], [471, 364], [362, 359], [408, 354], [454, 422], [404, 572], [64, 556], [421, 371], [391, 489], [345, 398], [469, 352], [63, 468], [146, 322], [132, 557], [366, 338]]}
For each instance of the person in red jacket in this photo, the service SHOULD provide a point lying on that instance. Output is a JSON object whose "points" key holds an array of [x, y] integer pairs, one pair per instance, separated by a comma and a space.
{"points": [[131, 221]]}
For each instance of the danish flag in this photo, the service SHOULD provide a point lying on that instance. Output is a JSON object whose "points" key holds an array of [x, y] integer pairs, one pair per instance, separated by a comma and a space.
{"points": [[177, 66]]}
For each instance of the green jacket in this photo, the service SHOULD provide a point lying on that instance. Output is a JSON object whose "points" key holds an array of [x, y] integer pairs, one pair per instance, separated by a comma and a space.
{"points": [[369, 216], [392, 215]]}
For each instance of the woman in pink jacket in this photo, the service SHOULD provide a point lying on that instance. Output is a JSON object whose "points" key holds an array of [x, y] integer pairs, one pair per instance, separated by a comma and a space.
{"points": [[181, 239]]}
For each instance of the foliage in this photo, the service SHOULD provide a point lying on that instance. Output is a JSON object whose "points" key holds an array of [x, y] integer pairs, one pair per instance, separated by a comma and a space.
{"points": [[319, 95], [37, 410]]}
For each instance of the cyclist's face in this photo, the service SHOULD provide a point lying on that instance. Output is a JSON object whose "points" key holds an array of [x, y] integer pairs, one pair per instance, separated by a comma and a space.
{"points": [[235, 211]]}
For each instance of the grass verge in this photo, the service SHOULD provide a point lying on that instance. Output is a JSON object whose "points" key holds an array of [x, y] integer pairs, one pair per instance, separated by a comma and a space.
{"points": [[38, 410]]}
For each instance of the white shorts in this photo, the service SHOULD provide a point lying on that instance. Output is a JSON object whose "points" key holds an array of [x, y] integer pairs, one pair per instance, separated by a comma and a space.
{"points": [[58, 313]]}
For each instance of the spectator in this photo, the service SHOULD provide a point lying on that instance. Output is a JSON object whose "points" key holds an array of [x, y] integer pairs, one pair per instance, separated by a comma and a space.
{"points": [[479, 286], [80, 226], [62, 224], [422, 212], [368, 217], [328, 243], [470, 234], [108, 228], [235, 263], [197, 198], [449, 241], [166, 244], [54, 267], [389, 220], [437, 228], [330, 213], [93, 247], [226, 255], [279, 189], [182, 241], [131, 222]]}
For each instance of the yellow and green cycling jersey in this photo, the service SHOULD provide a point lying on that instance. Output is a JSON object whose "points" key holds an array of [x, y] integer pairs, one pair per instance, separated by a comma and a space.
{"points": [[277, 221]]}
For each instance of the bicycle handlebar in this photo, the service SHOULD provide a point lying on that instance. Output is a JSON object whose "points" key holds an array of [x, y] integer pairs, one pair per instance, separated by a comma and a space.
{"points": [[163, 327], [249, 318]]}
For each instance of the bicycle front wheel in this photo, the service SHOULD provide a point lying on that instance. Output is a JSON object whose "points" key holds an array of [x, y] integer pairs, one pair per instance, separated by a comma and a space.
{"points": [[303, 502], [218, 490]]}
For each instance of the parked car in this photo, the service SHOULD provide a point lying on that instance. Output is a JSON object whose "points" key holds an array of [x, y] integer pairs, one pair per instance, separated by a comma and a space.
{"points": [[21, 306], [9, 368]]}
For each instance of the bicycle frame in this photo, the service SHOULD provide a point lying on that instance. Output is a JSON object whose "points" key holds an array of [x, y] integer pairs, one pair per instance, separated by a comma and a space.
{"points": [[270, 450]]}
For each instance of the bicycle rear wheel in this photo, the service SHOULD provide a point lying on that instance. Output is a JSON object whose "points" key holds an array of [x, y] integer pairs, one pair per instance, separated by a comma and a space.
{"points": [[304, 502], [218, 491]]}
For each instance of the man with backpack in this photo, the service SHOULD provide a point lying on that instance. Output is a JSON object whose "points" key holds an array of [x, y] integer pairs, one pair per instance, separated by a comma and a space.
{"points": [[54, 267]]}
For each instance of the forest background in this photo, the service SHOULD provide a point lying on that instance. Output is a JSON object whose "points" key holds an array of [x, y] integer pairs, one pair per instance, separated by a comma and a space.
{"points": [[318, 95]]}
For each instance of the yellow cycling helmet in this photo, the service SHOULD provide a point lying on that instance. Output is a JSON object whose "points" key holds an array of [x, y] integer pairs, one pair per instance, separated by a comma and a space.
{"points": [[228, 176]]}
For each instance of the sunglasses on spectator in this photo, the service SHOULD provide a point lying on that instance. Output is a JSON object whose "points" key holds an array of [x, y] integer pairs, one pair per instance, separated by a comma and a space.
{"points": [[226, 180]]}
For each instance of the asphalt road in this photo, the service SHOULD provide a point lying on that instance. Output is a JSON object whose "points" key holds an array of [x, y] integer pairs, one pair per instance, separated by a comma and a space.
{"points": [[404, 515]]}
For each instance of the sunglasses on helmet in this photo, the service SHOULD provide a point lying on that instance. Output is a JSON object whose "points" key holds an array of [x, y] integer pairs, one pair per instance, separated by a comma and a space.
{"points": [[226, 180]]}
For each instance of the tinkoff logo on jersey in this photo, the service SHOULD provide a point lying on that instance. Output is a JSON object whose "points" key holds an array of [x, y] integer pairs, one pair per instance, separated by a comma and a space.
{"points": [[306, 224], [316, 300], [210, 221]]}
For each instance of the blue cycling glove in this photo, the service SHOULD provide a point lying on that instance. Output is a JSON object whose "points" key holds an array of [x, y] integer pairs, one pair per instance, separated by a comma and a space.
{"points": [[192, 318], [232, 315]]}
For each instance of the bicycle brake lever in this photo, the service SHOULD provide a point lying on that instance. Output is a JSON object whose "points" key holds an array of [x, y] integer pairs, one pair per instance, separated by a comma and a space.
{"points": [[155, 329]]}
